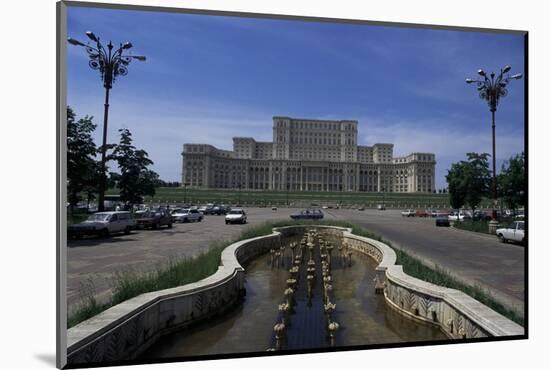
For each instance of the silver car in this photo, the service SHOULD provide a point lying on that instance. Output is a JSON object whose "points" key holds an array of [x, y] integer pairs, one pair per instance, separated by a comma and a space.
{"points": [[236, 216], [186, 215], [103, 224]]}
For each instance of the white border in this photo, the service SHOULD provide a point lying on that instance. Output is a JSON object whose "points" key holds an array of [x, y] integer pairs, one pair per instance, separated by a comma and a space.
{"points": [[28, 186]]}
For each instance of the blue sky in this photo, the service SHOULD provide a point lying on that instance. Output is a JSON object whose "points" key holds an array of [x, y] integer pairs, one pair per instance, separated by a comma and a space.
{"points": [[209, 78]]}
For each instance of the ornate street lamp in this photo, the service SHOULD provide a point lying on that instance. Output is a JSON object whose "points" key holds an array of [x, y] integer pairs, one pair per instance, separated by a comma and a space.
{"points": [[110, 64], [491, 88]]}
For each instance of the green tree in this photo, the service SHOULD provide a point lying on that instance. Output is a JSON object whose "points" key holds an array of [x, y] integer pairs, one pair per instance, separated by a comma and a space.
{"points": [[135, 179], [511, 182], [82, 167], [477, 178], [457, 188], [469, 180]]}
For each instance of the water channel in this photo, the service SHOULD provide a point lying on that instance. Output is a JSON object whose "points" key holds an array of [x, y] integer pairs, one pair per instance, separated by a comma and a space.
{"points": [[362, 316]]}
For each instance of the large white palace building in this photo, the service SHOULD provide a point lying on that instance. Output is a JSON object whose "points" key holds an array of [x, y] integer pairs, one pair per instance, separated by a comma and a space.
{"points": [[308, 155]]}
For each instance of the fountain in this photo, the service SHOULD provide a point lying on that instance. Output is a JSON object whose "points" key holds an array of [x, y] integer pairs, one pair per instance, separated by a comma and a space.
{"points": [[304, 314], [329, 308], [332, 328], [279, 330]]}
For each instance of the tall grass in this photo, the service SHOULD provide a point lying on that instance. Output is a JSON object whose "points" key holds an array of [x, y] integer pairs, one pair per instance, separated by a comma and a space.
{"points": [[88, 305], [130, 283]]}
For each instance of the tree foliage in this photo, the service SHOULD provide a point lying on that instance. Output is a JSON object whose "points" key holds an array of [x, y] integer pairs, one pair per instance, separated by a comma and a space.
{"points": [[511, 182], [82, 166], [469, 181], [455, 180], [135, 179], [478, 178]]}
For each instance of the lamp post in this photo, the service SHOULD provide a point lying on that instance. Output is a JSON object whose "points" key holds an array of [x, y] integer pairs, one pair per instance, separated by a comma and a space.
{"points": [[239, 196], [185, 192], [111, 64], [491, 88], [287, 186]]}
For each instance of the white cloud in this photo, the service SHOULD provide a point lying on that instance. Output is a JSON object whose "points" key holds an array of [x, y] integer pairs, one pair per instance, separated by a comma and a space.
{"points": [[447, 140]]}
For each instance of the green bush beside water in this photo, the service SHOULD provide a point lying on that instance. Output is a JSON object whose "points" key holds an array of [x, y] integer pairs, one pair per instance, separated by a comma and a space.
{"points": [[129, 283]]}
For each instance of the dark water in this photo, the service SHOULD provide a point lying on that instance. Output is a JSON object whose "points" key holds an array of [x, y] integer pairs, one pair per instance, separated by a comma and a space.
{"points": [[364, 318]]}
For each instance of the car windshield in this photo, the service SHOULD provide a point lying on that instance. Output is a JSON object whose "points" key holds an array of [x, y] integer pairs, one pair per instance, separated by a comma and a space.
{"points": [[235, 212], [521, 226], [150, 214], [99, 217]]}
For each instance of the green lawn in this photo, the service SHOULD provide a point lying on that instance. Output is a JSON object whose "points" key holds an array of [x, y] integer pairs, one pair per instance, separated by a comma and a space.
{"points": [[299, 199]]}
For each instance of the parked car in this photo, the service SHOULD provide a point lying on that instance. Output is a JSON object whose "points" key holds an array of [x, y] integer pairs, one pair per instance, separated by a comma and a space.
{"points": [[480, 215], [103, 224], [520, 216], [236, 216], [308, 214], [186, 215], [513, 232], [155, 219], [273, 208], [219, 210], [381, 207], [442, 221], [459, 216], [361, 208], [421, 213], [434, 212], [408, 213]]}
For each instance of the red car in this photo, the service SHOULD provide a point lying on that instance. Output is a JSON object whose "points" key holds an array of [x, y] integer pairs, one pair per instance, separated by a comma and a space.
{"points": [[420, 213], [155, 219]]}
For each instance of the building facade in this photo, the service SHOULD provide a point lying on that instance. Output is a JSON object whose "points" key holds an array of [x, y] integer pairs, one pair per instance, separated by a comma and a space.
{"points": [[308, 155]]}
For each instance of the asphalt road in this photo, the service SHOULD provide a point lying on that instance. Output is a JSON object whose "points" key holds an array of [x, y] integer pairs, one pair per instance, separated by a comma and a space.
{"points": [[475, 259], [96, 260]]}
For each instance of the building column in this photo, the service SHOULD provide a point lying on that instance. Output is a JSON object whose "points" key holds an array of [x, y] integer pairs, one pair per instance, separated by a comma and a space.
{"points": [[301, 177], [206, 173], [378, 180], [247, 175], [356, 171], [183, 168], [270, 176]]}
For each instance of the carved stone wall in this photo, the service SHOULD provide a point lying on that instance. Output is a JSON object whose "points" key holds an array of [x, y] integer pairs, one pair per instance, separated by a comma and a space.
{"points": [[455, 313]]}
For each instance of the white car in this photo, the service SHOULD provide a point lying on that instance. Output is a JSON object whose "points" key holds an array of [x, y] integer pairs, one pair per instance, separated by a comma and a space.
{"points": [[408, 213], [460, 216], [186, 215], [236, 216], [103, 224], [513, 232]]}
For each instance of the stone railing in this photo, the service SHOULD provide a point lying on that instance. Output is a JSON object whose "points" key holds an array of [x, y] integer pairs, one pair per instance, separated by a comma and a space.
{"points": [[124, 331], [455, 313]]}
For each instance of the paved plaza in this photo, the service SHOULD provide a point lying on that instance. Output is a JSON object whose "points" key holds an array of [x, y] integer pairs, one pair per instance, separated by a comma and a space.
{"points": [[476, 259]]}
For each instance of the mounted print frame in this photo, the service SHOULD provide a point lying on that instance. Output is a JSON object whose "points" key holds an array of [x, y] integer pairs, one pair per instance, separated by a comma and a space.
{"points": [[239, 185]]}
